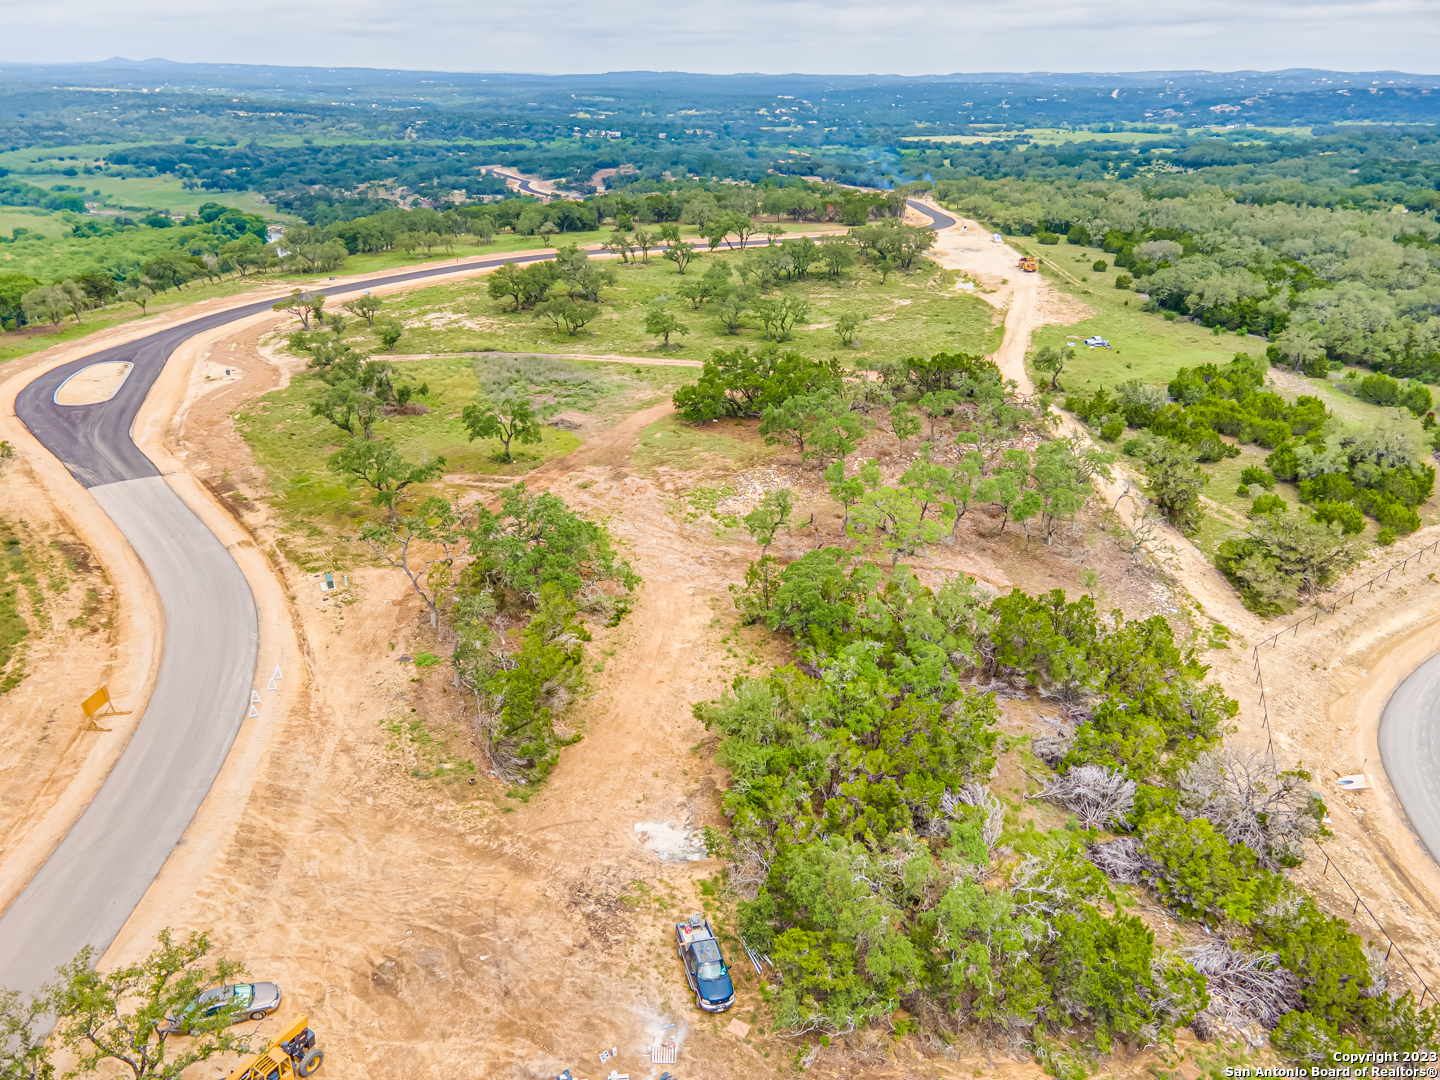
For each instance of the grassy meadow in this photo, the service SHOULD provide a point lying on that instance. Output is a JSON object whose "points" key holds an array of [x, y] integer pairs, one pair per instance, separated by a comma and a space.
{"points": [[292, 445], [1151, 348], [1144, 345], [911, 314]]}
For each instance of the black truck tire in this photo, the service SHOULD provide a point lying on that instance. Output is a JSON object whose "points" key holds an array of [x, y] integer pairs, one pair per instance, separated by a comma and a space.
{"points": [[310, 1062]]}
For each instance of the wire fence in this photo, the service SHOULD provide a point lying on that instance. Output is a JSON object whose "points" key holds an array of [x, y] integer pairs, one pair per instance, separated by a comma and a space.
{"points": [[1393, 948], [1368, 586], [1264, 705], [1313, 619]]}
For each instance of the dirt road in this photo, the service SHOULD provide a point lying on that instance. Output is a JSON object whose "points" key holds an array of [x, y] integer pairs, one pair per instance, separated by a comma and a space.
{"points": [[424, 929], [1312, 715], [432, 926]]}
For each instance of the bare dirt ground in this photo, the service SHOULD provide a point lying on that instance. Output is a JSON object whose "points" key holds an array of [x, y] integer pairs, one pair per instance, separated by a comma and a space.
{"points": [[443, 928], [51, 767], [1326, 685], [430, 923], [70, 651]]}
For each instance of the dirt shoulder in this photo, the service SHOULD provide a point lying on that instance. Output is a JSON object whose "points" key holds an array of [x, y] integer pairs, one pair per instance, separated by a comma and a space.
{"points": [[1326, 686], [416, 924], [431, 922], [428, 924]]}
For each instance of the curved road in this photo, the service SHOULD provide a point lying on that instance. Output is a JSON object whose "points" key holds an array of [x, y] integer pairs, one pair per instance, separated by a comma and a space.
{"points": [[939, 219], [526, 187], [99, 872], [1410, 746], [97, 875]]}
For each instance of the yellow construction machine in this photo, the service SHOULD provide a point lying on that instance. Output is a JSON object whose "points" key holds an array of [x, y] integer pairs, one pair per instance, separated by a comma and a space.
{"points": [[292, 1054], [1029, 263]]}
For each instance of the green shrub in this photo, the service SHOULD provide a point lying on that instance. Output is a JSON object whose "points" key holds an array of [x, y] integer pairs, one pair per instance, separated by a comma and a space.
{"points": [[1123, 281], [739, 382], [536, 540], [872, 879], [1099, 266], [1206, 403], [753, 599], [1322, 951], [546, 672], [1283, 462], [1202, 874], [1268, 504], [1309, 1039], [1112, 431], [1398, 1024], [816, 594], [1257, 576], [1326, 487], [1352, 522], [1253, 474], [1389, 512], [1379, 389]]}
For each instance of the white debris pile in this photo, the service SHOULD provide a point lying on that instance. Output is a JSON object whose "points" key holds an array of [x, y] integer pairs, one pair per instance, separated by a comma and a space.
{"points": [[749, 488], [672, 842]]}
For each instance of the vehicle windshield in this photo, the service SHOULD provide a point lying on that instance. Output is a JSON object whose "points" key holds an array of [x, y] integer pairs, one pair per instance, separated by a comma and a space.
{"points": [[709, 972], [244, 994]]}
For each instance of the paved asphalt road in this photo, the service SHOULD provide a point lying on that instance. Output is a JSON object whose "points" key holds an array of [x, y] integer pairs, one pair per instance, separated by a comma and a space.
{"points": [[1410, 746], [95, 878], [938, 218]]}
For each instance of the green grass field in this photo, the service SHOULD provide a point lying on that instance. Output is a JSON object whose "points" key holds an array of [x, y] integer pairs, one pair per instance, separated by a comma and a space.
{"points": [[44, 169], [64, 256], [1144, 345], [504, 243], [292, 446], [673, 444], [1150, 348], [44, 222], [158, 193], [33, 339], [912, 314]]}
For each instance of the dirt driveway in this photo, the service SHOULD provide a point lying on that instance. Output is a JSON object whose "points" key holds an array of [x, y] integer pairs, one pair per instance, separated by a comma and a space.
{"points": [[434, 927]]}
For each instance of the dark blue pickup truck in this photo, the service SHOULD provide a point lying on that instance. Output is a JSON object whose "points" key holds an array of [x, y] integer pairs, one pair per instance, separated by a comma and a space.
{"points": [[704, 965]]}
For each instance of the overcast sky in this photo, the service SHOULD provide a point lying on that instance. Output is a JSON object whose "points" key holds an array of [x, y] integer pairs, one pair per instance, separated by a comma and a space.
{"points": [[835, 36]]}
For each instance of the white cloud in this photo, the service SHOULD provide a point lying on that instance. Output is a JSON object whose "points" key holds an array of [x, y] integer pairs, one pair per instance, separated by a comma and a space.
{"points": [[775, 35]]}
